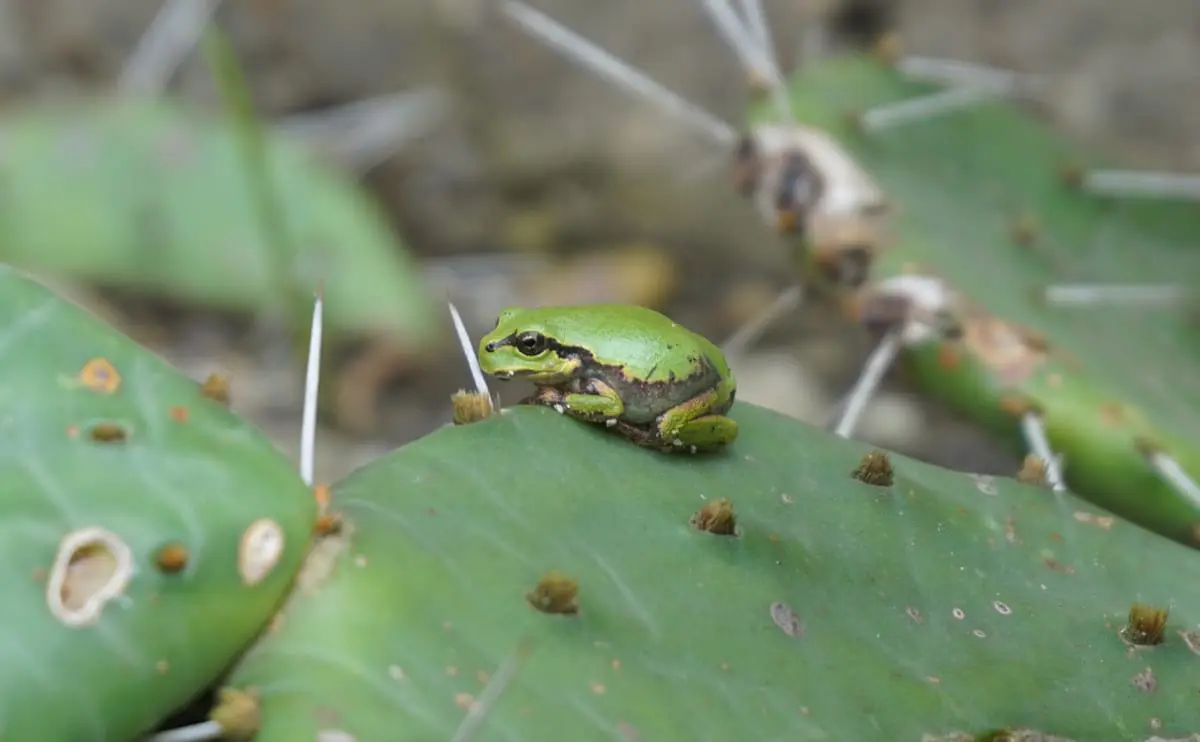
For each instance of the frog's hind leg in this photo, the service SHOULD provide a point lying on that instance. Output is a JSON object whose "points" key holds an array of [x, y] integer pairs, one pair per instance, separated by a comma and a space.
{"points": [[694, 426]]}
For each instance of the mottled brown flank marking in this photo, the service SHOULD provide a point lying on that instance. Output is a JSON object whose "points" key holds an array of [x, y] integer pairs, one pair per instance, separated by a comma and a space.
{"points": [[107, 433], [555, 593], [875, 468], [179, 414], [171, 558], [1033, 471], [716, 517], [216, 388], [1010, 352], [1145, 626], [99, 376]]}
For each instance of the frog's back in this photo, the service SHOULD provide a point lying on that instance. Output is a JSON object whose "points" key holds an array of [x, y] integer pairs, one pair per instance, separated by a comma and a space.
{"points": [[648, 344]]}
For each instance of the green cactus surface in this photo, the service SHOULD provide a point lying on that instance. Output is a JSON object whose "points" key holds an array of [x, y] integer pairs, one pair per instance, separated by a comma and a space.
{"points": [[981, 199], [941, 602], [152, 196], [149, 533]]}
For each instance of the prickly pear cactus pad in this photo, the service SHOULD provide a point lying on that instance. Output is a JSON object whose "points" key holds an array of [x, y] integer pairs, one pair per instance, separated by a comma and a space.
{"points": [[982, 199], [148, 532], [785, 589], [155, 197]]}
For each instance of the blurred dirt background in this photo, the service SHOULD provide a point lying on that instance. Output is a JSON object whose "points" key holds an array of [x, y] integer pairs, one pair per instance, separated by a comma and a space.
{"points": [[545, 180]]}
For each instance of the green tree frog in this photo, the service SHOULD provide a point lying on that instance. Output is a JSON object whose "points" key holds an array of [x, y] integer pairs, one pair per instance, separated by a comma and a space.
{"points": [[627, 367]]}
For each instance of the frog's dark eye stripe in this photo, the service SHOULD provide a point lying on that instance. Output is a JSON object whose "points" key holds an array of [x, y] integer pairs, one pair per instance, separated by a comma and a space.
{"points": [[530, 343]]}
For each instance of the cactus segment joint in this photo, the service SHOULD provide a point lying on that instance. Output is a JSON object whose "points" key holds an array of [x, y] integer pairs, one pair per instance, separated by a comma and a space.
{"points": [[108, 432], [216, 388], [100, 376], [555, 593], [716, 517], [92, 567], [259, 550], [1146, 625], [171, 558]]}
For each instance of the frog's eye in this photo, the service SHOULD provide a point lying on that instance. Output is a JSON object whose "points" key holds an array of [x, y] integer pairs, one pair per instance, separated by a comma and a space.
{"points": [[530, 343]]}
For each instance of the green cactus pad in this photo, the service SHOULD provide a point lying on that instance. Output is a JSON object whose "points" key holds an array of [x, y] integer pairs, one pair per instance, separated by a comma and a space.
{"points": [[839, 610], [152, 196], [148, 532], [981, 200]]}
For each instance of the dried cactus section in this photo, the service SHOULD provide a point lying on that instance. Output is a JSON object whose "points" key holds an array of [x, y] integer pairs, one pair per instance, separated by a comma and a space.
{"points": [[985, 203], [148, 532], [934, 603], [150, 196]]}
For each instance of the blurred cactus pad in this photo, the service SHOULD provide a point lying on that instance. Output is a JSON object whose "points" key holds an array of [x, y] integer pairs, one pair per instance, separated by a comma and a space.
{"points": [[149, 532], [987, 198], [153, 196], [763, 593]]}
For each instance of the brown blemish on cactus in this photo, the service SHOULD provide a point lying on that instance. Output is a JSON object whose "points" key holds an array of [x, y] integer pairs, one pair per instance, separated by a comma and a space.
{"points": [[238, 712], [875, 468], [1191, 640], [1011, 352], [1015, 406], [1033, 471], [92, 566], [786, 619], [948, 357], [1113, 414], [1025, 230], [1145, 626], [1145, 681], [327, 524], [216, 388], [259, 550], [99, 376], [1071, 175], [107, 432], [555, 593], [1102, 521], [1058, 566], [179, 414], [171, 558], [72, 431], [470, 407], [716, 517], [465, 701]]}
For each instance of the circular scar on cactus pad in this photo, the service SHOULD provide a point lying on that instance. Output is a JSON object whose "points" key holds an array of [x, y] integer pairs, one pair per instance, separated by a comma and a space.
{"points": [[92, 567], [259, 550]]}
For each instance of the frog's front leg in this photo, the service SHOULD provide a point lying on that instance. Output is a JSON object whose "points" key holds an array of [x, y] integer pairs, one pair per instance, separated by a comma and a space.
{"points": [[596, 402], [692, 426]]}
